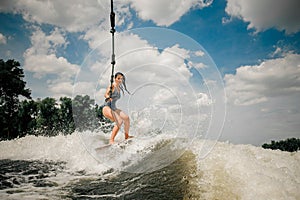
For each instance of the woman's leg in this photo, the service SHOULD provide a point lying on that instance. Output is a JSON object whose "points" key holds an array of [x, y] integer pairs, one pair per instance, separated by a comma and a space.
{"points": [[107, 112], [114, 134], [126, 120], [114, 116]]}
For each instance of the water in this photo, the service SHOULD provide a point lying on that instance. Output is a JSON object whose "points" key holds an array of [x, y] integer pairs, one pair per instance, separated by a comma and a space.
{"points": [[63, 168]]}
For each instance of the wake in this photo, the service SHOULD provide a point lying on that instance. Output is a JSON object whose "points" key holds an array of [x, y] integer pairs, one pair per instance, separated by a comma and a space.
{"points": [[227, 171]]}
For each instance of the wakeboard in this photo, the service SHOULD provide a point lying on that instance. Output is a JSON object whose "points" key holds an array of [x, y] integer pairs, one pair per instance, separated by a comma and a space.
{"points": [[121, 144]]}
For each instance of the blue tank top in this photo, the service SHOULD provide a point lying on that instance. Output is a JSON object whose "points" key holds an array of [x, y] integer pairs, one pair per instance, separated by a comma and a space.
{"points": [[115, 97]]}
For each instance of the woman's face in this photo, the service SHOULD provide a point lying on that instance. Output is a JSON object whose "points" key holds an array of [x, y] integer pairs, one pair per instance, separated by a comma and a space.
{"points": [[119, 79]]}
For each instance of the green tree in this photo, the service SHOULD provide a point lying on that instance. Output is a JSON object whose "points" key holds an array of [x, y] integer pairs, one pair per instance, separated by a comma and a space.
{"points": [[290, 144], [85, 117], [65, 113], [28, 111], [48, 117], [12, 86]]}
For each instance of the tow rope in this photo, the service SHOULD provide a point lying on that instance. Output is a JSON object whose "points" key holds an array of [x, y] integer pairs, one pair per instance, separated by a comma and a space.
{"points": [[113, 57]]}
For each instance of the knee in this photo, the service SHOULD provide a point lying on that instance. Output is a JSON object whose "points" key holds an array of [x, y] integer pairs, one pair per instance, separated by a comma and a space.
{"points": [[127, 118]]}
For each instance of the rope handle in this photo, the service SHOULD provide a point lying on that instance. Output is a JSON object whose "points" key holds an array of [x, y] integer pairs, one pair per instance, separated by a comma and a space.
{"points": [[112, 18], [113, 57]]}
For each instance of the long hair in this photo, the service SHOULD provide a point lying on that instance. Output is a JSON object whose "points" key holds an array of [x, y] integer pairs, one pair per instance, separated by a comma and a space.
{"points": [[123, 85]]}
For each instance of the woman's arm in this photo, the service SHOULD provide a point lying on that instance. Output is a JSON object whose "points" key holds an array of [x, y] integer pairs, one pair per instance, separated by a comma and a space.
{"points": [[107, 93]]}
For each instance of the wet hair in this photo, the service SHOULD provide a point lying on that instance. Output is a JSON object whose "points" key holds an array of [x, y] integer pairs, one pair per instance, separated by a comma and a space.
{"points": [[123, 86]]}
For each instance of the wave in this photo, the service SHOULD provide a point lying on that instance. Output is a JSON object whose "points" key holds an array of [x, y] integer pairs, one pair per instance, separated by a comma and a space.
{"points": [[227, 172], [68, 149], [249, 172]]}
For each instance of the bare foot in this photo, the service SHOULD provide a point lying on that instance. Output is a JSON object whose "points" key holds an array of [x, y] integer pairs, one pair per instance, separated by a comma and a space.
{"points": [[111, 142], [127, 136]]}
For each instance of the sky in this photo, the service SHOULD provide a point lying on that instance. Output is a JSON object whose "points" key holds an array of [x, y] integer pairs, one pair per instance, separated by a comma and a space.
{"points": [[238, 61]]}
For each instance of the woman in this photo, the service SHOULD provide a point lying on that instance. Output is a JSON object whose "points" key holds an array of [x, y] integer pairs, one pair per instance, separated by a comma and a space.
{"points": [[110, 110]]}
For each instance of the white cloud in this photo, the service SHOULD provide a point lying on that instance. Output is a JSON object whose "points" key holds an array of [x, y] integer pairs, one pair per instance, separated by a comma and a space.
{"points": [[46, 44], [163, 95], [271, 79], [177, 59], [264, 101], [100, 41], [278, 51], [85, 88], [75, 15], [42, 65], [72, 15], [41, 57], [199, 53], [199, 66], [96, 35], [203, 99], [226, 20], [281, 51], [2, 39], [262, 15], [61, 89], [167, 12], [183, 53], [42, 61]]}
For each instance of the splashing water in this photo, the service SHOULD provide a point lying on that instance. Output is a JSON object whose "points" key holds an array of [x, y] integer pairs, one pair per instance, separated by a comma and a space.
{"points": [[62, 167]]}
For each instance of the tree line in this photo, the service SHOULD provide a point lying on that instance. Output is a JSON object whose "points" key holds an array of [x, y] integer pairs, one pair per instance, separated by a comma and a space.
{"points": [[290, 144], [48, 116]]}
